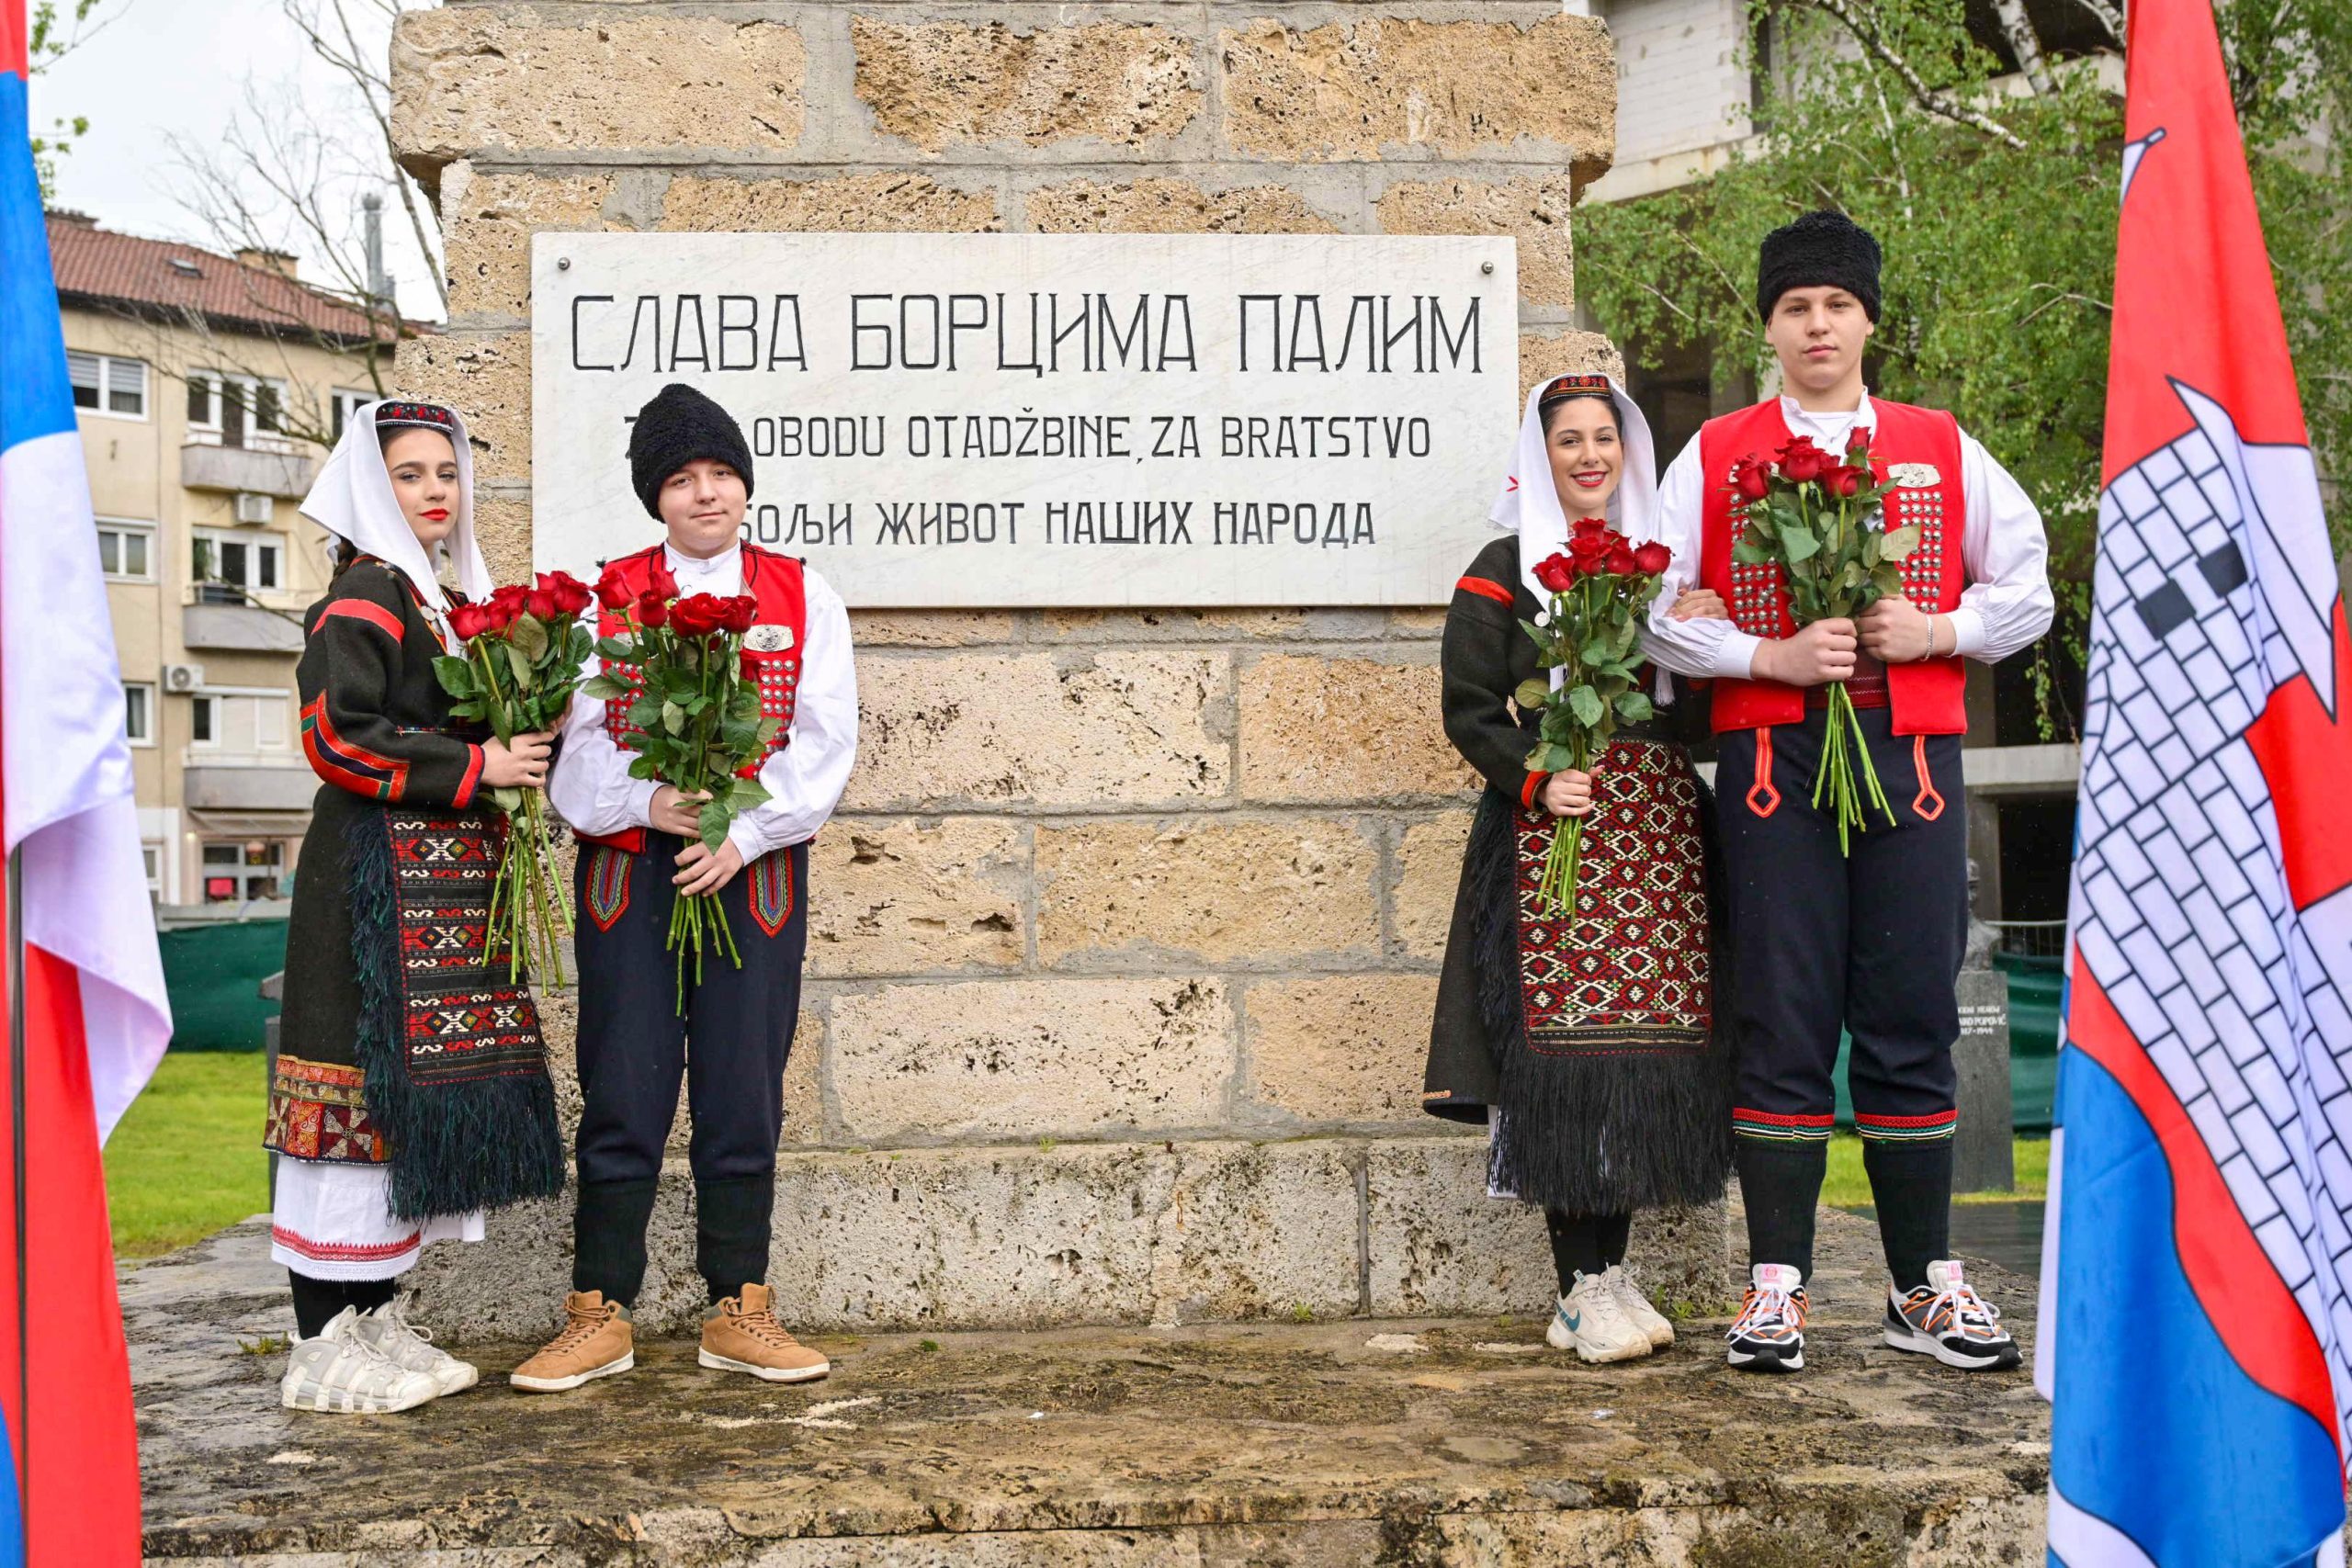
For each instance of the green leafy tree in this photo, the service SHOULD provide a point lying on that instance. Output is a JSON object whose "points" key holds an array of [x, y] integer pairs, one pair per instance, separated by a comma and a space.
{"points": [[58, 28], [1992, 183]]}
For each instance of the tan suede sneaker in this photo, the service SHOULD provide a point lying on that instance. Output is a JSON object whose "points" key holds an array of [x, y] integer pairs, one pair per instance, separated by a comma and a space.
{"points": [[742, 1335], [597, 1341]]}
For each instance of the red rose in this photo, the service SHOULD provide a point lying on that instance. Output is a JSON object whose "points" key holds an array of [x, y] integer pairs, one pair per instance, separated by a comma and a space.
{"points": [[1584, 546], [613, 590], [1750, 480], [659, 580], [540, 602], [1843, 479], [1592, 566], [566, 592], [743, 615], [1652, 559], [1620, 562], [1556, 573], [1856, 440], [469, 622], [697, 615], [652, 610], [1800, 460]]}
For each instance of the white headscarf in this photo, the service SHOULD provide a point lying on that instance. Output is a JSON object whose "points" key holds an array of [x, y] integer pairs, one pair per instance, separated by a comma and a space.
{"points": [[352, 498], [1529, 504]]}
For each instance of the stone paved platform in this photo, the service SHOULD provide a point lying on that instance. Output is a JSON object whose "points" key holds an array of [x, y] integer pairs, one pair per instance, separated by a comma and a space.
{"points": [[1415, 1443]]}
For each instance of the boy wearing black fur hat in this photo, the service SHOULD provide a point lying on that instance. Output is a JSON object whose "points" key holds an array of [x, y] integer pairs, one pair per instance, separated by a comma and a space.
{"points": [[1872, 940], [639, 852]]}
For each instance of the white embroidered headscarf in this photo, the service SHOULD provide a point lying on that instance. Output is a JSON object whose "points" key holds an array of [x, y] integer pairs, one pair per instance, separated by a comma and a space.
{"points": [[352, 498], [1529, 504]]}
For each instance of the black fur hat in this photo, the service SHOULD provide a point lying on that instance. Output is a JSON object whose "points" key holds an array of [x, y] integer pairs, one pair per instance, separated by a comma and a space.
{"points": [[679, 425], [1820, 248]]}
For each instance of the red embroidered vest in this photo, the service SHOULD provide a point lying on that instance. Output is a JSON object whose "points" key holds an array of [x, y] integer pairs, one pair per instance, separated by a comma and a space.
{"points": [[775, 581], [1928, 697]]}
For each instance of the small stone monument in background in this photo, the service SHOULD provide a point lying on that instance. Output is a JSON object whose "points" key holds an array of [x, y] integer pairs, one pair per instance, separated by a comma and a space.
{"points": [[1983, 1148]]}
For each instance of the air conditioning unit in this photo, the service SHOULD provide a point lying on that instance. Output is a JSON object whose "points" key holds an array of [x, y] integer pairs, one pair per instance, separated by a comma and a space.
{"points": [[182, 678], [254, 508]]}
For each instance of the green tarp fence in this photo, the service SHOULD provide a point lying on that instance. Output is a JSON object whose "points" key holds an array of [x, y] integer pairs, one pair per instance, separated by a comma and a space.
{"points": [[2034, 984], [214, 974]]}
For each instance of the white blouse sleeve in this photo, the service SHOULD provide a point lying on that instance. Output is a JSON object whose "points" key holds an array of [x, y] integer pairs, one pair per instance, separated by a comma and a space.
{"points": [[1711, 649], [2006, 604], [806, 779]]}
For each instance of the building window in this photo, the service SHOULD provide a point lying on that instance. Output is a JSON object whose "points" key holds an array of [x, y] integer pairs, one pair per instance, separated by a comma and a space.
{"points": [[152, 857], [104, 384], [348, 403], [228, 408], [139, 712], [126, 550], [234, 872], [230, 567], [241, 723], [204, 720]]}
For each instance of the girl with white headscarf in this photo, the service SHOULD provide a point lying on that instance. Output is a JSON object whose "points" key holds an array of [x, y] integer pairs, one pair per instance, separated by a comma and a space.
{"points": [[1586, 1040], [411, 1089]]}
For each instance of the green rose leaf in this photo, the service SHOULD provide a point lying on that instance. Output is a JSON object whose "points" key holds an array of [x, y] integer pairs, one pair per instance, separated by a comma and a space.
{"points": [[507, 798], [641, 767], [1899, 542], [1557, 758], [456, 675], [530, 634], [1800, 543], [1634, 706], [603, 688], [1752, 550], [673, 718], [1585, 702], [744, 794], [618, 651], [1886, 580], [714, 821], [1532, 694]]}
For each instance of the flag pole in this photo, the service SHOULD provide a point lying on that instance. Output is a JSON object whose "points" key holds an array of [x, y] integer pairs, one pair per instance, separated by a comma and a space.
{"points": [[17, 1154]]}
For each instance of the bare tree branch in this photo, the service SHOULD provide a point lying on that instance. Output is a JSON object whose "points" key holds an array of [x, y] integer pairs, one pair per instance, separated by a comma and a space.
{"points": [[1942, 105], [2109, 17], [2025, 42]]}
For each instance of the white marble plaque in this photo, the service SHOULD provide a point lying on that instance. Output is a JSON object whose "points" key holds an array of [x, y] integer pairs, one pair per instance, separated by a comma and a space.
{"points": [[999, 419]]}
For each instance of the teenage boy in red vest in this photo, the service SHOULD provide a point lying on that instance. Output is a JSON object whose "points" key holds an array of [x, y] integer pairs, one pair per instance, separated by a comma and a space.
{"points": [[1871, 940], [639, 852]]}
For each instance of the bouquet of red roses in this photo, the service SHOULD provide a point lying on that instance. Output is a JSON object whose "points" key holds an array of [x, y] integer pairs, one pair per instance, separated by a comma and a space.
{"points": [[698, 717], [525, 648], [1819, 519], [1601, 589]]}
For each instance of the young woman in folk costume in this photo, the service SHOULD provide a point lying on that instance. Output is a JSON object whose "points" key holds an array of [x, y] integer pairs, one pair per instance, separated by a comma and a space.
{"points": [[1586, 1040], [411, 1090], [691, 469]]}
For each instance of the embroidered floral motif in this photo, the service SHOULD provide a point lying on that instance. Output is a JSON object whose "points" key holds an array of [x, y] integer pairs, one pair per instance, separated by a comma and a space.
{"points": [[607, 886], [771, 891], [317, 1111]]}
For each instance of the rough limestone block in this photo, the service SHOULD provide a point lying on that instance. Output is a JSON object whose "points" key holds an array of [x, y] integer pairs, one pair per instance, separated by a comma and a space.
{"points": [[486, 221], [937, 82], [891, 201], [488, 377], [933, 628], [892, 895], [512, 1286], [471, 78], [1126, 627], [1019, 1237], [1542, 355], [1340, 1048], [1429, 872], [1024, 1058], [1535, 211], [1323, 730], [1429, 623], [1366, 89], [502, 529], [1216, 891], [1260, 1230], [1160, 206], [1439, 1246], [1131, 726]]}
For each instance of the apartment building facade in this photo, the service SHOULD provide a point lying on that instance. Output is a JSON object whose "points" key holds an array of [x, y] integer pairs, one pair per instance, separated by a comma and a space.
{"points": [[205, 387]]}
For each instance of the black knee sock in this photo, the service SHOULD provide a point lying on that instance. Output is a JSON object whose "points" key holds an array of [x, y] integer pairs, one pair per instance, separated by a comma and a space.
{"points": [[369, 1294], [731, 1219], [608, 1238], [1586, 1244], [1911, 1184], [315, 1302], [1781, 1183]]}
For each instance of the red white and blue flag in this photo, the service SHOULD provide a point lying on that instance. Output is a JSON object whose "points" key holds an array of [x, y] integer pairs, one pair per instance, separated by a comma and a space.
{"points": [[91, 987], [2196, 1321]]}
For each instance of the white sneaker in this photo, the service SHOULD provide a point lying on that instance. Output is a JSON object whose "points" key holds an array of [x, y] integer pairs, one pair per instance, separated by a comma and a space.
{"points": [[1768, 1333], [1593, 1322], [1638, 1310], [1947, 1319], [388, 1331], [340, 1372]]}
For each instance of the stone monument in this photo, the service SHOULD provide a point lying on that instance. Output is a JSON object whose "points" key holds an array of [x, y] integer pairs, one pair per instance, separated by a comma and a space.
{"points": [[1984, 1147]]}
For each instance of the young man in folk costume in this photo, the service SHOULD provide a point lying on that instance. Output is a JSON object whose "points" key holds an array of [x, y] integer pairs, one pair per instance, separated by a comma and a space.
{"points": [[639, 853], [1871, 941]]}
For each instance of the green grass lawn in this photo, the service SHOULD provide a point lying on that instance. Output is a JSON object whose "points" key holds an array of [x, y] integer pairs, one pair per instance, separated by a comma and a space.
{"points": [[186, 1158], [1847, 1186]]}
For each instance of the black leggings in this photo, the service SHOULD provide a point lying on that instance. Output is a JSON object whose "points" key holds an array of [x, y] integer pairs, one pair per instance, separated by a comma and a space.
{"points": [[316, 1302], [1586, 1244]]}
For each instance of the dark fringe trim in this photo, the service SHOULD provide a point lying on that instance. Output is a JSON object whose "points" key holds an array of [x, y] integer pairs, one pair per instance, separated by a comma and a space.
{"points": [[1600, 1134], [456, 1147]]}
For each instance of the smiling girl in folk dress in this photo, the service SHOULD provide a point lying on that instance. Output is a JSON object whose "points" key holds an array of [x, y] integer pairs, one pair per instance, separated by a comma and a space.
{"points": [[1585, 1039]]}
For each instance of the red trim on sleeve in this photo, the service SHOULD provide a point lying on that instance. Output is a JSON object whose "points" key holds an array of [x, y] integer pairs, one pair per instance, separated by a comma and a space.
{"points": [[465, 795], [1527, 790], [1484, 589], [362, 610]]}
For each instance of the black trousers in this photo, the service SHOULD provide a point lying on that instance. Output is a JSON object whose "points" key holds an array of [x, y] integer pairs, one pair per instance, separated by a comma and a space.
{"points": [[729, 1045], [1871, 939]]}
